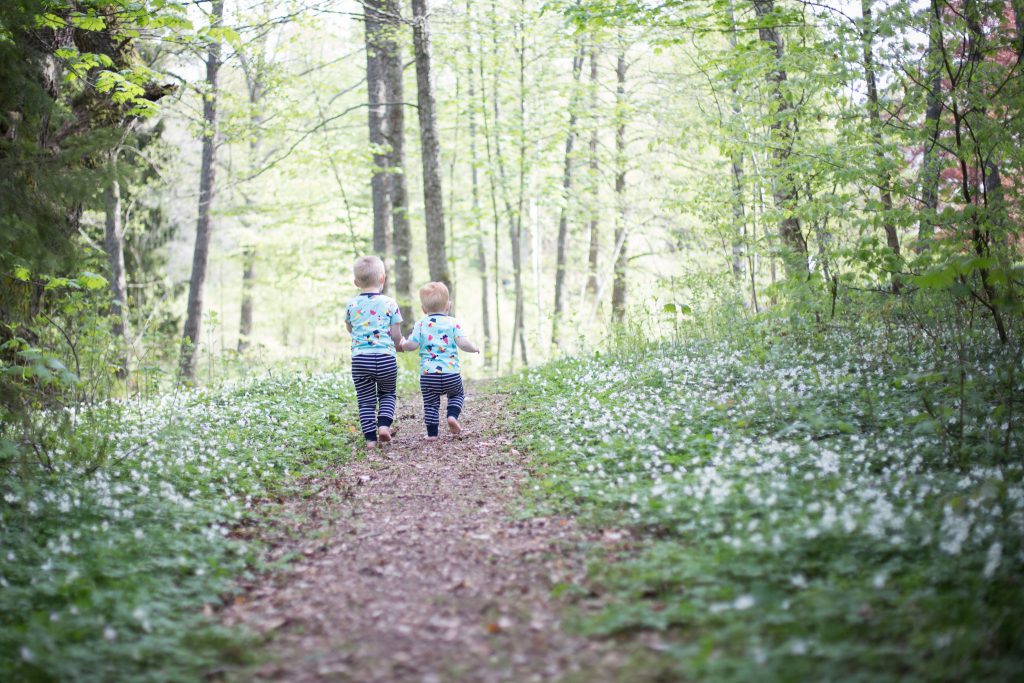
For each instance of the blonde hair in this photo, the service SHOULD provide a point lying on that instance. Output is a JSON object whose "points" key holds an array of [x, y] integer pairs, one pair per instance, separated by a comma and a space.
{"points": [[368, 270], [434, 297]]}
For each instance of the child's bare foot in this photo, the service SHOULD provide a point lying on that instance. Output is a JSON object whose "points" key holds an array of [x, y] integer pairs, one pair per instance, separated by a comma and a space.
{"points": [[384, 434], [371, 445], [430, 438], [453, 425]]}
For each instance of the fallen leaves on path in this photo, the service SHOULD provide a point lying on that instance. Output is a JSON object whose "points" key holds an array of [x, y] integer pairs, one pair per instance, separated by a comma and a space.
{"points": [[425, 572]]}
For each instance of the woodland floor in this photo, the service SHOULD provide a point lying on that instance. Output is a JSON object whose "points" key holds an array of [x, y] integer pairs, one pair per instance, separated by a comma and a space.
{"points": [[416, 565]]}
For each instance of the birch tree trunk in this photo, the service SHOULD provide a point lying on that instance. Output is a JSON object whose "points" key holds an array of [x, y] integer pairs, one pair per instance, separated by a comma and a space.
{"points": [[563, 216], [433, 197], [377, 120], [619, 277], [784, 187], [207, 178]]}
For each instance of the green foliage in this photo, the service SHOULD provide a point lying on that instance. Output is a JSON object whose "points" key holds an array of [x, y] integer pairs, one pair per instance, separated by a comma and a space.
{"points": [[114, 545], [797, 502]]}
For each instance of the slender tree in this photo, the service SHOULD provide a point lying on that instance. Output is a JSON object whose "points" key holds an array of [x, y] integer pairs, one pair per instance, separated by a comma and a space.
{"points": [[478, 228], [516, 226], [377, 119], [433, 197], [884, 181], [621, 237], [207, 177], [594, 244], [933, 111], [781, 127], [113, 245], [567, 172], [394, 90]]}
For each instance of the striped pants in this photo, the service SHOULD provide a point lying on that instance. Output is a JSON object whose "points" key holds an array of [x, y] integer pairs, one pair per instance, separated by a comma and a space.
{"points": [[433, 387], [375, 375]]}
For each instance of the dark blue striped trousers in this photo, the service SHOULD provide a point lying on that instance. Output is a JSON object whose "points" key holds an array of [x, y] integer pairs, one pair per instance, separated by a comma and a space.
{"points": [[433, 387], [375, 375]]}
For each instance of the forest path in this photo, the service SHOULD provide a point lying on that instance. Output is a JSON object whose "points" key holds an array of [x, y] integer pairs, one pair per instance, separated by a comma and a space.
{"points": [[426, 573]]}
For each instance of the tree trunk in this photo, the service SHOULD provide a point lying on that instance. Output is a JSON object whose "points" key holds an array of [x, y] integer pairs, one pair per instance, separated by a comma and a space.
{"points": [[930, 165], [736, 163], [433, 197], [516, 227], [495, 235], [619, 279], [784, 187], [481, 254], [207, 176], [113, 244], [874, 111], [563, 216], [377, 119], [248, 280], [595, 237], [391, 54]]}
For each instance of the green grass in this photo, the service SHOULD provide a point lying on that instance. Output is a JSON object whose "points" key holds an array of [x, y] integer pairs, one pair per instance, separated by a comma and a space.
{"points": [[797, 508], [107, 561]]}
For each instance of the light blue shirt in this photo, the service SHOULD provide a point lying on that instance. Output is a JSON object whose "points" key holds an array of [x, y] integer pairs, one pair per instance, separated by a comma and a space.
{"points": [[436, 335], [371, 317]]}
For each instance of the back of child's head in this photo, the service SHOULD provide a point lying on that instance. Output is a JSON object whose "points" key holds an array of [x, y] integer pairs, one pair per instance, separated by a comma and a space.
{"points": [[434, 297], [368, 270]]}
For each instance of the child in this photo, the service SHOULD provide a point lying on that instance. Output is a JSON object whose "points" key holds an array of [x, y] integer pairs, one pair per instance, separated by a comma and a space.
{"points": [[374, 321], [439, 337]]}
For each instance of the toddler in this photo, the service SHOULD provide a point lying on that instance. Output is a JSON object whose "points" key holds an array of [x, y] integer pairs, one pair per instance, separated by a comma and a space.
{"points": [[439, 337], [374, 321]]}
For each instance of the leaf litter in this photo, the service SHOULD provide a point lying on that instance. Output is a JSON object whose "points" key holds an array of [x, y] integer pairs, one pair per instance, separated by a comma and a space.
{"points": [[413, 564]]}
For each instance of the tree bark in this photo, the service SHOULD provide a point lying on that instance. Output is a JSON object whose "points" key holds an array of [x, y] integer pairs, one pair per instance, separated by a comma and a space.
{"points": [[784, 187], [736, 164], [248, 280], [874, 111], [394, 89], [930, 165], [485, 104], [113, 244], [619, 278], [207, 177], [433, 197], [377, 119], [516, 227], [563, 216], [594, 227], [481, 254]]}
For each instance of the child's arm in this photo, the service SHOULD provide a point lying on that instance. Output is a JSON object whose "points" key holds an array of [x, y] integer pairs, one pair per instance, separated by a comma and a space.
{"points": [[349, 326], [466, 345], [407, 345], [396, 336]]}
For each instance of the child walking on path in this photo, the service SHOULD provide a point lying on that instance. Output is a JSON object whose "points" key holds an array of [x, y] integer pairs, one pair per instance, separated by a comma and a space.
{"points": [[375, 323], [438, 336]]}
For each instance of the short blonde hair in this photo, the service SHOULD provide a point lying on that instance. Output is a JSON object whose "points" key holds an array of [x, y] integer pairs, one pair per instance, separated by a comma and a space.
{"points": [[368, 270], [434, 297]]}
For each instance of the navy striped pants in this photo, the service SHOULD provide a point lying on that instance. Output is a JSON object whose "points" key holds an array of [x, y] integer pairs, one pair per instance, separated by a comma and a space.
{"points": [[375, 375], [433, 387]]}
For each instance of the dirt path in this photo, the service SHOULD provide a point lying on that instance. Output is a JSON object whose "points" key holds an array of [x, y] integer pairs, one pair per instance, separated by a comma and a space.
{"points": [[428, 574]]}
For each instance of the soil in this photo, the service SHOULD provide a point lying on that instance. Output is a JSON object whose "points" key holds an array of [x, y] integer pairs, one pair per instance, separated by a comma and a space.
{"points": [[425, 568]]}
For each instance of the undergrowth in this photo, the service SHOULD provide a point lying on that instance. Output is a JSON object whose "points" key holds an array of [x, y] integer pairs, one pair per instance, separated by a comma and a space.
{"points": [[820, 505], [112, 544]]}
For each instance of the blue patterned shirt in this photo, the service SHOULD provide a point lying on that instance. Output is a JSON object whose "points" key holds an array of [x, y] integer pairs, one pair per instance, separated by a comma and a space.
{"points": [[436, 335], [371, 316]]}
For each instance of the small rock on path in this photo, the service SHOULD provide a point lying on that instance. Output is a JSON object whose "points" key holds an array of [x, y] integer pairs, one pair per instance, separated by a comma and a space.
{"points": [[428, 574]]}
